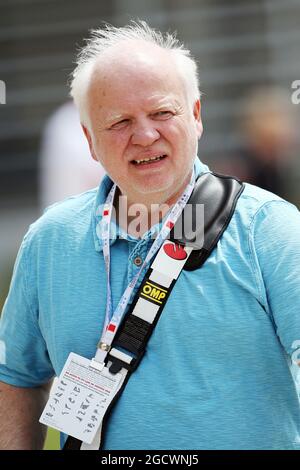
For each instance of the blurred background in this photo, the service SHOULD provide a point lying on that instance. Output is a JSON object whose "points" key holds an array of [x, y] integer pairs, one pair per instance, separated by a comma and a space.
{"points": [[248, 55]]}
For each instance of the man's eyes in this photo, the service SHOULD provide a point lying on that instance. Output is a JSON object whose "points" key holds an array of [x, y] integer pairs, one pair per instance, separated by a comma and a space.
{"points": [[163, 114], [119, 124], [160, 115]]}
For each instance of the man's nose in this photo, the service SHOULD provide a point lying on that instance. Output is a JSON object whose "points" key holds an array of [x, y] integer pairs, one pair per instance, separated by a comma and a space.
{"points": [[144, 134]]}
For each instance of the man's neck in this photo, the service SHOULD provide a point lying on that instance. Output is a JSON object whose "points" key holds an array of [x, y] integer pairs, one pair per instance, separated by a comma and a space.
{"points": [[136, 218]]}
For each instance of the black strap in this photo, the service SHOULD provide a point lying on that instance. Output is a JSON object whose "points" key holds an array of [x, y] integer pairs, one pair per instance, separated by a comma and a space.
{"points": [[219, 194]]}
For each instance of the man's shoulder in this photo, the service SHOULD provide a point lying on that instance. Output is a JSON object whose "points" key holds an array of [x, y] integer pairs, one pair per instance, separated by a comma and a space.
{"points": [[257, 204], [79, 203], [65, 217], [254, 198]]}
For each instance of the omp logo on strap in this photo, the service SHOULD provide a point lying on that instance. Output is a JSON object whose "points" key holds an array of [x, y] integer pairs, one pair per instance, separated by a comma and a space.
{"points": [[175, 251], [153, 292]]}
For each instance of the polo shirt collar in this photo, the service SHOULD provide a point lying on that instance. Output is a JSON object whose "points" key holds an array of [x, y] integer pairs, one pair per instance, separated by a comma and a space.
{"points": [[115, 230]]}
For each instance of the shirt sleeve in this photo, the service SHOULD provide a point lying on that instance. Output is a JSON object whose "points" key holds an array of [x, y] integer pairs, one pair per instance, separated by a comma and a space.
{"points": [[275, 242], [24, 360]]}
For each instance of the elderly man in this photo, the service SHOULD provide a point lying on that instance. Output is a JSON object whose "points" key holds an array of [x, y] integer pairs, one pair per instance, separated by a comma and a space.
{"points": [[219, 370]]}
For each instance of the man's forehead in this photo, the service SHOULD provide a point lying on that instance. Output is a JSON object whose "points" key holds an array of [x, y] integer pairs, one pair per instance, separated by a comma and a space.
{"points": [[145, 74], [135, 61]]}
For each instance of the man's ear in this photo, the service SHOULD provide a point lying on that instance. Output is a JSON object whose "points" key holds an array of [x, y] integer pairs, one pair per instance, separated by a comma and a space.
{"points": [[197, 116], [90, 141]]}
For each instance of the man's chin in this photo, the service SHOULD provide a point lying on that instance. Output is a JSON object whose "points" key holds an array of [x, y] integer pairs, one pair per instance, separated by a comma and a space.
{"points": [[156, 193], [159, 191]]}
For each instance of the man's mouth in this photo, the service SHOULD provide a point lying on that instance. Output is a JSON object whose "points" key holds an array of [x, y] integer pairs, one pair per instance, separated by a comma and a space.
{"points": [[147, 161]]}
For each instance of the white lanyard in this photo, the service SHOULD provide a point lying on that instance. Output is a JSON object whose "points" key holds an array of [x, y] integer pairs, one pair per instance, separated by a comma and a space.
{"points": [[113, 320]]}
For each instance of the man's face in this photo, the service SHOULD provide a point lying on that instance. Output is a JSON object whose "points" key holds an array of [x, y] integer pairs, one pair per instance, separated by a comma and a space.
{"points": [[139, 112]]}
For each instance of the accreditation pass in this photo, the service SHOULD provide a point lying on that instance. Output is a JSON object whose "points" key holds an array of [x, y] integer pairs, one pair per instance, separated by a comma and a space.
{"points": [[80, 398]]}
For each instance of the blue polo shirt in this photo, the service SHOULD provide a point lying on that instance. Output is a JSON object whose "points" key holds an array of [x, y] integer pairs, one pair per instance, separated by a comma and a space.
{"points": [[218, 372]]}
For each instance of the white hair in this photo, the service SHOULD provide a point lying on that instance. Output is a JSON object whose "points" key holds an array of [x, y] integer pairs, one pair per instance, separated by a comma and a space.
{"points": [[103, 38]]}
